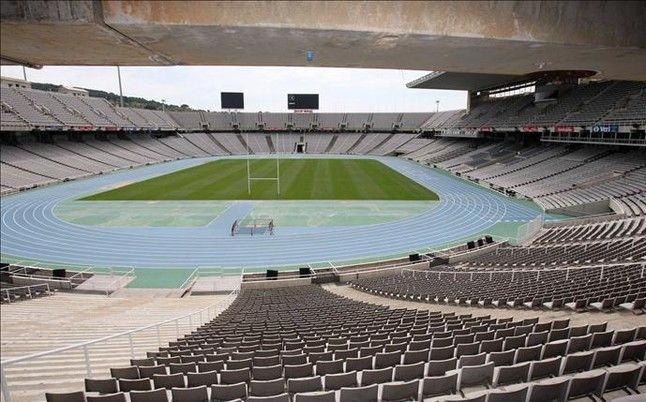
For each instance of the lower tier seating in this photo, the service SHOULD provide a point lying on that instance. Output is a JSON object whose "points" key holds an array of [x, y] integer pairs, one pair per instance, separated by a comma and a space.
{"points": [[307, 344]]}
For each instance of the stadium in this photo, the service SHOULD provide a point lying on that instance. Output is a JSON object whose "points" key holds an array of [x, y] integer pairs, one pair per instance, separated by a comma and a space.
{"points": [[497, 252]]}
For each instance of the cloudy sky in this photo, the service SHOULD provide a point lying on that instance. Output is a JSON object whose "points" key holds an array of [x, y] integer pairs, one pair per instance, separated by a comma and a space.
{"points": [[265, 88]]}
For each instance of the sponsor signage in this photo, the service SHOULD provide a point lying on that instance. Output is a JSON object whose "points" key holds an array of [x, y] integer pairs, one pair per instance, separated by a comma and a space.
{"points": [[564, 129], [530, 129], [611, 128], [456, 132]]}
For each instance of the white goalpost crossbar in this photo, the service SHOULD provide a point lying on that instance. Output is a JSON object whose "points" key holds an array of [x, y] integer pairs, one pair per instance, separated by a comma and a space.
{"points": [[251, 178]]}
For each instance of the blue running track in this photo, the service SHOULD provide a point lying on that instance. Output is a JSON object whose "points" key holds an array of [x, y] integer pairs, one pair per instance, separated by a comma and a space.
{"points": [[30, 230]]}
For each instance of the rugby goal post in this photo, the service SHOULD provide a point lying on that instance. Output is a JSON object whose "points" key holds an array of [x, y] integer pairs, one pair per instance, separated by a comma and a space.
{"points": [[251, 178]]}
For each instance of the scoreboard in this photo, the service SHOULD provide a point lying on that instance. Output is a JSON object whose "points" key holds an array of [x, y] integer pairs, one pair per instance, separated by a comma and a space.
{"points": [[232, 100], [303, 101]]}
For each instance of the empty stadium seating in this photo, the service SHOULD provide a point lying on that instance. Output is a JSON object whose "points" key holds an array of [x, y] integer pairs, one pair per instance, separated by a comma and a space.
{"points": [[308, 344], [590, 266]]}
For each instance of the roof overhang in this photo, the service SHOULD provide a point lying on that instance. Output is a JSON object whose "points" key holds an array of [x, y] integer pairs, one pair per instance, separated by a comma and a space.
{"points": [[466, 81], [493, 37]]}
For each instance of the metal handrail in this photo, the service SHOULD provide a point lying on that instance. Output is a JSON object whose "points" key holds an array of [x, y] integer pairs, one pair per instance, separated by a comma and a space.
{"points": [[126, 275], [190, 279], [26, 286], [86, 270], [42, 277], [12, 289], [6, 393], [523, 270]]}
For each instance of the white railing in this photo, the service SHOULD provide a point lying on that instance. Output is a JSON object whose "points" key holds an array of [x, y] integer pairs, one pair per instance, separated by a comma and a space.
{"points": [[491, 272], [163, 331], [528, 230], [117, 278], [28, 289], [190, 280], [120, 281], [80, 275]]}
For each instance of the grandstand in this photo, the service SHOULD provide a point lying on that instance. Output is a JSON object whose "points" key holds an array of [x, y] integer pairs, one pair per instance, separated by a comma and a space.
{"points": [[520, 276]]}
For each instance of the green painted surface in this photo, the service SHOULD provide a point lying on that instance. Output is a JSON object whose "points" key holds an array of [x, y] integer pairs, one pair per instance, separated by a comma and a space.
{"points": [[300, 179], [337, 213], [140, 213], [167, 278], [201, 213]]}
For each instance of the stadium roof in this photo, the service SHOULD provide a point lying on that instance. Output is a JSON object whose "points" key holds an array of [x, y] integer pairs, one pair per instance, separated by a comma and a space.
{"points": [[465, 81], [493, 37]]}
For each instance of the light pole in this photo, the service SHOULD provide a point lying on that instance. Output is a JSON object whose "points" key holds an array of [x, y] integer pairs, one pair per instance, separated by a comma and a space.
{"points": [[120, 90], [163, 105], [437, 106], [24, 73]]}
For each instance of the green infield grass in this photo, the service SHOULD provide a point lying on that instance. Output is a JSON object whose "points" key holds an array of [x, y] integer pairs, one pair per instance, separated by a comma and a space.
{"points": [[300, 179]]}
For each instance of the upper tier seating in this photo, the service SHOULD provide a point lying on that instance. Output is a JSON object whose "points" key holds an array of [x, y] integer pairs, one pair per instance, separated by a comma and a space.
{"points": [[614, 102], [586, 105]]}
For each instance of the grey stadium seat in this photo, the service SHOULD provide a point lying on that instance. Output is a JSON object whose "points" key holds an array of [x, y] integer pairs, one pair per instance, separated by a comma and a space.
{"points": [[341, 380], [267, 387], [505, 375], [141, 384], [157, 395], [65, 397], [168, 381], [315, 397], [125, 372], [116, 397], [267, 373], [407, 372], [440, 385], [149, 371], [550, 390], [276, 398], [207, 378], [440, 367], [227, 392], [476, 375], [586, 384], [103, 385], [508, 395], [400, 391], [379, 376], [359, 394], [306, 384]]}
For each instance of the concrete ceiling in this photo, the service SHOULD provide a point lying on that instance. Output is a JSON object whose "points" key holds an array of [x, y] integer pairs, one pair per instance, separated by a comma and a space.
{"points": [[493, 37], [465, 81]]}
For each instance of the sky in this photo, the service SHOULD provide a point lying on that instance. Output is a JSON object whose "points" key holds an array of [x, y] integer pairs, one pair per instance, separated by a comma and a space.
{"points": [[265, 88]]}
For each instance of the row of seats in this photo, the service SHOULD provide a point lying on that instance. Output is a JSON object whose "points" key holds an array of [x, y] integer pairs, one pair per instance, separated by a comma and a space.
{"points": [[601, 287], [584, 105], [31, 108], [511, 385], [222, 121], [594, 103], [611, 229]]}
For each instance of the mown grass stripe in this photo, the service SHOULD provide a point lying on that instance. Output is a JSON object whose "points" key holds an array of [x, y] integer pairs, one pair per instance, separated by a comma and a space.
{"points": [[301, 179]]}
